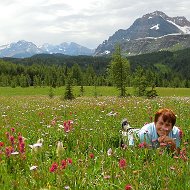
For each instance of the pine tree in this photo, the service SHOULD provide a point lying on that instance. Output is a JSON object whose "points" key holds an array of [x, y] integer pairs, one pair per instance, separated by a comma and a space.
{"points": [[140, 82], [119, 71], [68, 90]]}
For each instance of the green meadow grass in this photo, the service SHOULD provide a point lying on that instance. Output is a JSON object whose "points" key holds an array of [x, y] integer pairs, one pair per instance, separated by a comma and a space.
{"points": [[84, 162], [88, 91]]}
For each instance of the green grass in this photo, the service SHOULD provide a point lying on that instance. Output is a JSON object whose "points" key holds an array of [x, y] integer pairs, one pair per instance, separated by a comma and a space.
{"points": [[88, 91], [93, 132]]}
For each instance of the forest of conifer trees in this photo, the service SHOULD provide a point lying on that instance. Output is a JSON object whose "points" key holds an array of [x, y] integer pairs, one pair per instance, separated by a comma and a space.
{"points": [[164, 69]]}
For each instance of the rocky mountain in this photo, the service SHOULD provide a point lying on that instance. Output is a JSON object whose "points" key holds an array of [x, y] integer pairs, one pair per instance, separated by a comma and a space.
{"points": [[23, 49], [67, 49], [19, 49], [153, 32]]}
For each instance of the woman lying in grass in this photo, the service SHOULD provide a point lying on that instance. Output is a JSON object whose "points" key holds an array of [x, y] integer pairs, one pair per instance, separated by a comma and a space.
{"points": [[161, 132]]}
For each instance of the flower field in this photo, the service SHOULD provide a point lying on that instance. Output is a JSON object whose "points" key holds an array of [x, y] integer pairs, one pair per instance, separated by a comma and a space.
{"points": [[50, 144]]}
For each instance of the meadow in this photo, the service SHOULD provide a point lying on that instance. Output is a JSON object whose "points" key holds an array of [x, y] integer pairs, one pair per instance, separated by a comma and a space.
{"points": [[51, 144], [88, 91]]}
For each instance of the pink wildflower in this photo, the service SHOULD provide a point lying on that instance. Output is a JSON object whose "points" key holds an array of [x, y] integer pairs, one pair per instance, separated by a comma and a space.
{"points": [[122, 163], [54, 167], [22, 147], [128, 187], [20, 139], [53, 122], [13, 129], [142, 145], [69, 161], [63, 164], [1, 144], [180, 134], [91, 155], [67, 126], [11, 138], [9, 150], [107, 177]]}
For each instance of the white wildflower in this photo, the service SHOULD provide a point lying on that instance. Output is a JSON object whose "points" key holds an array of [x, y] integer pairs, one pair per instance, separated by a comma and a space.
{"points": [[33, 168], [60, 148], [109, 152]]}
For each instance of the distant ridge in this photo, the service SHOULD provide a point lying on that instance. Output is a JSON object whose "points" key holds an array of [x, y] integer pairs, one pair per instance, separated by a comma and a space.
{"points": [[23, 49]]}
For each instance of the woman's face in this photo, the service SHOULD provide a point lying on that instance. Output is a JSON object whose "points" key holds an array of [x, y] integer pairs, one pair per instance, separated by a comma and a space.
{"points": [[163, 127]]}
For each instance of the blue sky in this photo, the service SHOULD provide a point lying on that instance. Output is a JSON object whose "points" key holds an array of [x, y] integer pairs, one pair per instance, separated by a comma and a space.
{"points": [[86, 22]]}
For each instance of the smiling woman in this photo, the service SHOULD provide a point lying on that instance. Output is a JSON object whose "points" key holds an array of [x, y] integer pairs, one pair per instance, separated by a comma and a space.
{"points": [[161, 132]]}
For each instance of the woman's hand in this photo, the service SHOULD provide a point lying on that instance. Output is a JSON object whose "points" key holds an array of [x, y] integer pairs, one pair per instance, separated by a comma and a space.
{"points": [[169, 141]]}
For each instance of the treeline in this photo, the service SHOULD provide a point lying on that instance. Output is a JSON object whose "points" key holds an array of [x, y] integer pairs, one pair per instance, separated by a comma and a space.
{"points": [[166, 69]]}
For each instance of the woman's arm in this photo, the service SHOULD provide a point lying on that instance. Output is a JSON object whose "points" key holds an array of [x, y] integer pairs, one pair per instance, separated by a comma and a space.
{"points": [[169, 141]]}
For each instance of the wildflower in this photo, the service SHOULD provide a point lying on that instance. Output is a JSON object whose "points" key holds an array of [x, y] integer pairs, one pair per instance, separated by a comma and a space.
{"points": [[109, 152], [180, 134], [142, 145], [107, 177], [1, 144], [53, 122], [20, 139], [69, 161], [13, 129], [67, 125], [37, 145], [128, 187], [122, 163], [14, 153], [91, 155], [63, 164], [33, 168], [176, 157], [67, 187], [11, 138], [54, 167], [60, 148], [112, 113], [8, 151], [22, 147], [172, 168]]}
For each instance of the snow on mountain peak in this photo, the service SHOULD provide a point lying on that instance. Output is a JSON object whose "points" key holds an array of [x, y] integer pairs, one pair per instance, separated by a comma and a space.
{"points": [[155, 27], [184, 29]]}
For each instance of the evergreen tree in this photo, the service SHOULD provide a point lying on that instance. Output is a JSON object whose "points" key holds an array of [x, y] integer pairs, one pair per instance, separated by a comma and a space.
{"points": [[51, 93], [76, 74], [81, 90], [68, 89], [140, 82], [119, 71]]}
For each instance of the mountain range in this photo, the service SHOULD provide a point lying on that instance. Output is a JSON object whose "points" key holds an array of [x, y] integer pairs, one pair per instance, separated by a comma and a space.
{"points": [[151, 33], [23, 49]]}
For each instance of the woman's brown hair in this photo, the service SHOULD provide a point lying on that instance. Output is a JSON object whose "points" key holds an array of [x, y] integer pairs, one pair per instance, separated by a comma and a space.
{"points": [[167, 115]]}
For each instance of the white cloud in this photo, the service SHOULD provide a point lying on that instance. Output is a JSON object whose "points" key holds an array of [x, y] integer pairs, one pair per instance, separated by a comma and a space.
{"points": [[87, 22]]}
